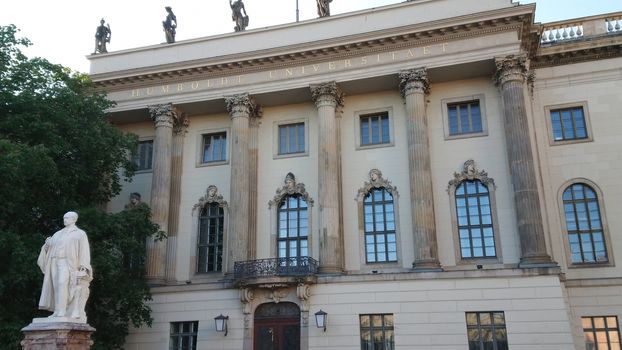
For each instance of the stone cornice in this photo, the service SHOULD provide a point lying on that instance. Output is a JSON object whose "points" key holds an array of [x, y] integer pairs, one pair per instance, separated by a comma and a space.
{"points": [[345, 47], [550, 57]]}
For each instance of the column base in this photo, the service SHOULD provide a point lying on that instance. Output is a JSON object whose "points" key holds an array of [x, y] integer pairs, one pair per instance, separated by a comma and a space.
{"points": [[537, 261], [156, 281], [427, 266], [42, 334]]}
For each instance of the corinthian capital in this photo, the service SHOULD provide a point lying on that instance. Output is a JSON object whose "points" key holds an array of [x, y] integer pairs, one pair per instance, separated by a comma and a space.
{"points": [[327, 93], [163, 115], [242, 105], [414, 80], [180, 121], [511, 68]]}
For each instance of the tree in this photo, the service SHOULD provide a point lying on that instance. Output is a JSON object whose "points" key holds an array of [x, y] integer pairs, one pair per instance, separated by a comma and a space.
{"points": [[58, 152]]}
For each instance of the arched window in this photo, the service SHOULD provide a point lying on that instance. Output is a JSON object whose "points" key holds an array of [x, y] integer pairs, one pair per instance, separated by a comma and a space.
{"points": [[210, 232], [584, 225], [293, 227], [293, 206], [380, 239], [211, 225], [475, 230], [472, 198]]}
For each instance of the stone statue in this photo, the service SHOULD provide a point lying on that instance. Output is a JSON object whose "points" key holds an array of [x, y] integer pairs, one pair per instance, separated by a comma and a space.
{"points": [[169, 25], [65, 261], [102, 36], [241, 21], [323, 7], [135, 201]]}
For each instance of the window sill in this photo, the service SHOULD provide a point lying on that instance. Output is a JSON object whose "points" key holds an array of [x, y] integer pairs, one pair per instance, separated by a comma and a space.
{"points": [[479, 261], [145, 171], [216, 163], [290, 155], [466, 135], [374, 145], [570, 142], [591, 265]]}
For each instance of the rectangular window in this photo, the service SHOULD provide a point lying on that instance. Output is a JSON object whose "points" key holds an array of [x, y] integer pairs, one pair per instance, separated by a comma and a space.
{"points": [[486, 331], [375, 129], [601, 333], [464, 118], [143, 157], [211, 226], [292, 138], [184, 335], [215, 147], [568, 124], [377, 332]]}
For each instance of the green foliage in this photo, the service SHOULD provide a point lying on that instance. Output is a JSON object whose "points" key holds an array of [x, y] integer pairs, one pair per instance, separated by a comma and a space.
{"points": [[58, 153]]}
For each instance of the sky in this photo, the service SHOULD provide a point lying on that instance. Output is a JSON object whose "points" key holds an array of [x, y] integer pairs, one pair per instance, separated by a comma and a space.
{"points": [[63, 30]]}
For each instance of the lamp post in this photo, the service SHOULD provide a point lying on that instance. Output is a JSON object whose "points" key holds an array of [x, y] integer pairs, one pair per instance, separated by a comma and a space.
{"points": [[221, 323], [320, 319]]}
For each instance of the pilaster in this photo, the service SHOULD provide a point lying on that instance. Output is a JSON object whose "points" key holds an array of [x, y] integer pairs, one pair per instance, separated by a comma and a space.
{"points": [[327, 98], [414, 86], [510, 76], [180, 128]]}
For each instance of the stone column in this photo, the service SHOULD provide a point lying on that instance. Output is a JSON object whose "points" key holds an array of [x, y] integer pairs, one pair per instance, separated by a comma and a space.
{"points": [[180, 127], [163, 116], [414, 86], [327, 98], [241, 107], [510, 77]]}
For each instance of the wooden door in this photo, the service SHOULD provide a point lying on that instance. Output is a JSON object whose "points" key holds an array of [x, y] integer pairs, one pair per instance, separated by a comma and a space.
{"points": [[277, 327]]}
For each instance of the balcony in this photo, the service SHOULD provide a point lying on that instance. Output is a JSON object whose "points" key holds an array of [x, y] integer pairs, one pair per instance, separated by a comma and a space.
{"points": [[580, 28], [276, 271]]}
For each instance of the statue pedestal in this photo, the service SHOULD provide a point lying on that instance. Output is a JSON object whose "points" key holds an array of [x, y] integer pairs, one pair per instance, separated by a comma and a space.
{"points": [[42, 334]]}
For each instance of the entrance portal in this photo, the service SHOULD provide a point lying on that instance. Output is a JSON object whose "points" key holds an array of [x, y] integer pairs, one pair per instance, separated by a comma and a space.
{"points": [[277, 327]]}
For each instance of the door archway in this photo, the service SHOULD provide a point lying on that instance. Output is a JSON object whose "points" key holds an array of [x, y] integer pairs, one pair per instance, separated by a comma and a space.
{"points": [[277, 327]]}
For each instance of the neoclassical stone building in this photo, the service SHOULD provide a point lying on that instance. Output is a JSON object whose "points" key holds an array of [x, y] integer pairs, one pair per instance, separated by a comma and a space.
{"points": [[433, 174]]}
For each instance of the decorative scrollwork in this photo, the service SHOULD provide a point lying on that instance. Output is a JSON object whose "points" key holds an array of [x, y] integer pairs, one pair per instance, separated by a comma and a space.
{"points": [[327, 93], [211, 196], [290, 187], [470, 173], [509, 68], [376, 181]]}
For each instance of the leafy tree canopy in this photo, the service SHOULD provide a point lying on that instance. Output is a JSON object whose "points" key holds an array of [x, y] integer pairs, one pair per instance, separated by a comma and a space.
{"points": [[58, 152]]}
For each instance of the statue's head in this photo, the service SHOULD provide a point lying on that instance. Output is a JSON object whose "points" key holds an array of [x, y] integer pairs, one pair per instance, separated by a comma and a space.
{"points": [[135, 198], [290, 180], [168, 9], [70, 218], [102, 21], [211, 191], [374, 175]]}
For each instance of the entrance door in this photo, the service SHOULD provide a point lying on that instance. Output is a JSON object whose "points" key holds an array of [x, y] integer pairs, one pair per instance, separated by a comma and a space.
{"points": [[277, 327]]}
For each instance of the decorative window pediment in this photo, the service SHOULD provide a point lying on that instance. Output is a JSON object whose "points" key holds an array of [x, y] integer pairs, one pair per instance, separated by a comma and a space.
{"points": [[470, 173], [211, 196], [291, 187], [376, 181]]}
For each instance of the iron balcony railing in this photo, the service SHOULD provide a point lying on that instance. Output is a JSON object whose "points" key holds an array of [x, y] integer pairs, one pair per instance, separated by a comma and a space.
{"points": [[280, 267]]}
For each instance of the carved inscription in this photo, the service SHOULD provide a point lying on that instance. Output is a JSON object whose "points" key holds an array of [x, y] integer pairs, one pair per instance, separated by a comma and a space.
{"points": [[293, 72]]}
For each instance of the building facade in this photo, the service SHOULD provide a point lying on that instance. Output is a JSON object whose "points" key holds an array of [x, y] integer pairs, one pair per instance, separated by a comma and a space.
{"points": [[433, 174]]}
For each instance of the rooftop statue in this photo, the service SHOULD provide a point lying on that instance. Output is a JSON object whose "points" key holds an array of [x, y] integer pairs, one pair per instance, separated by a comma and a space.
{"points": [[169, 25], [241, 21], [65, 261], [323, 8], [102, 36]]}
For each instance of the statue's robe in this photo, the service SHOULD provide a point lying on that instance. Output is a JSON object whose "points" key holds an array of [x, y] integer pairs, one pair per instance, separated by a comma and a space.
{"points": [[77, 254]]}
